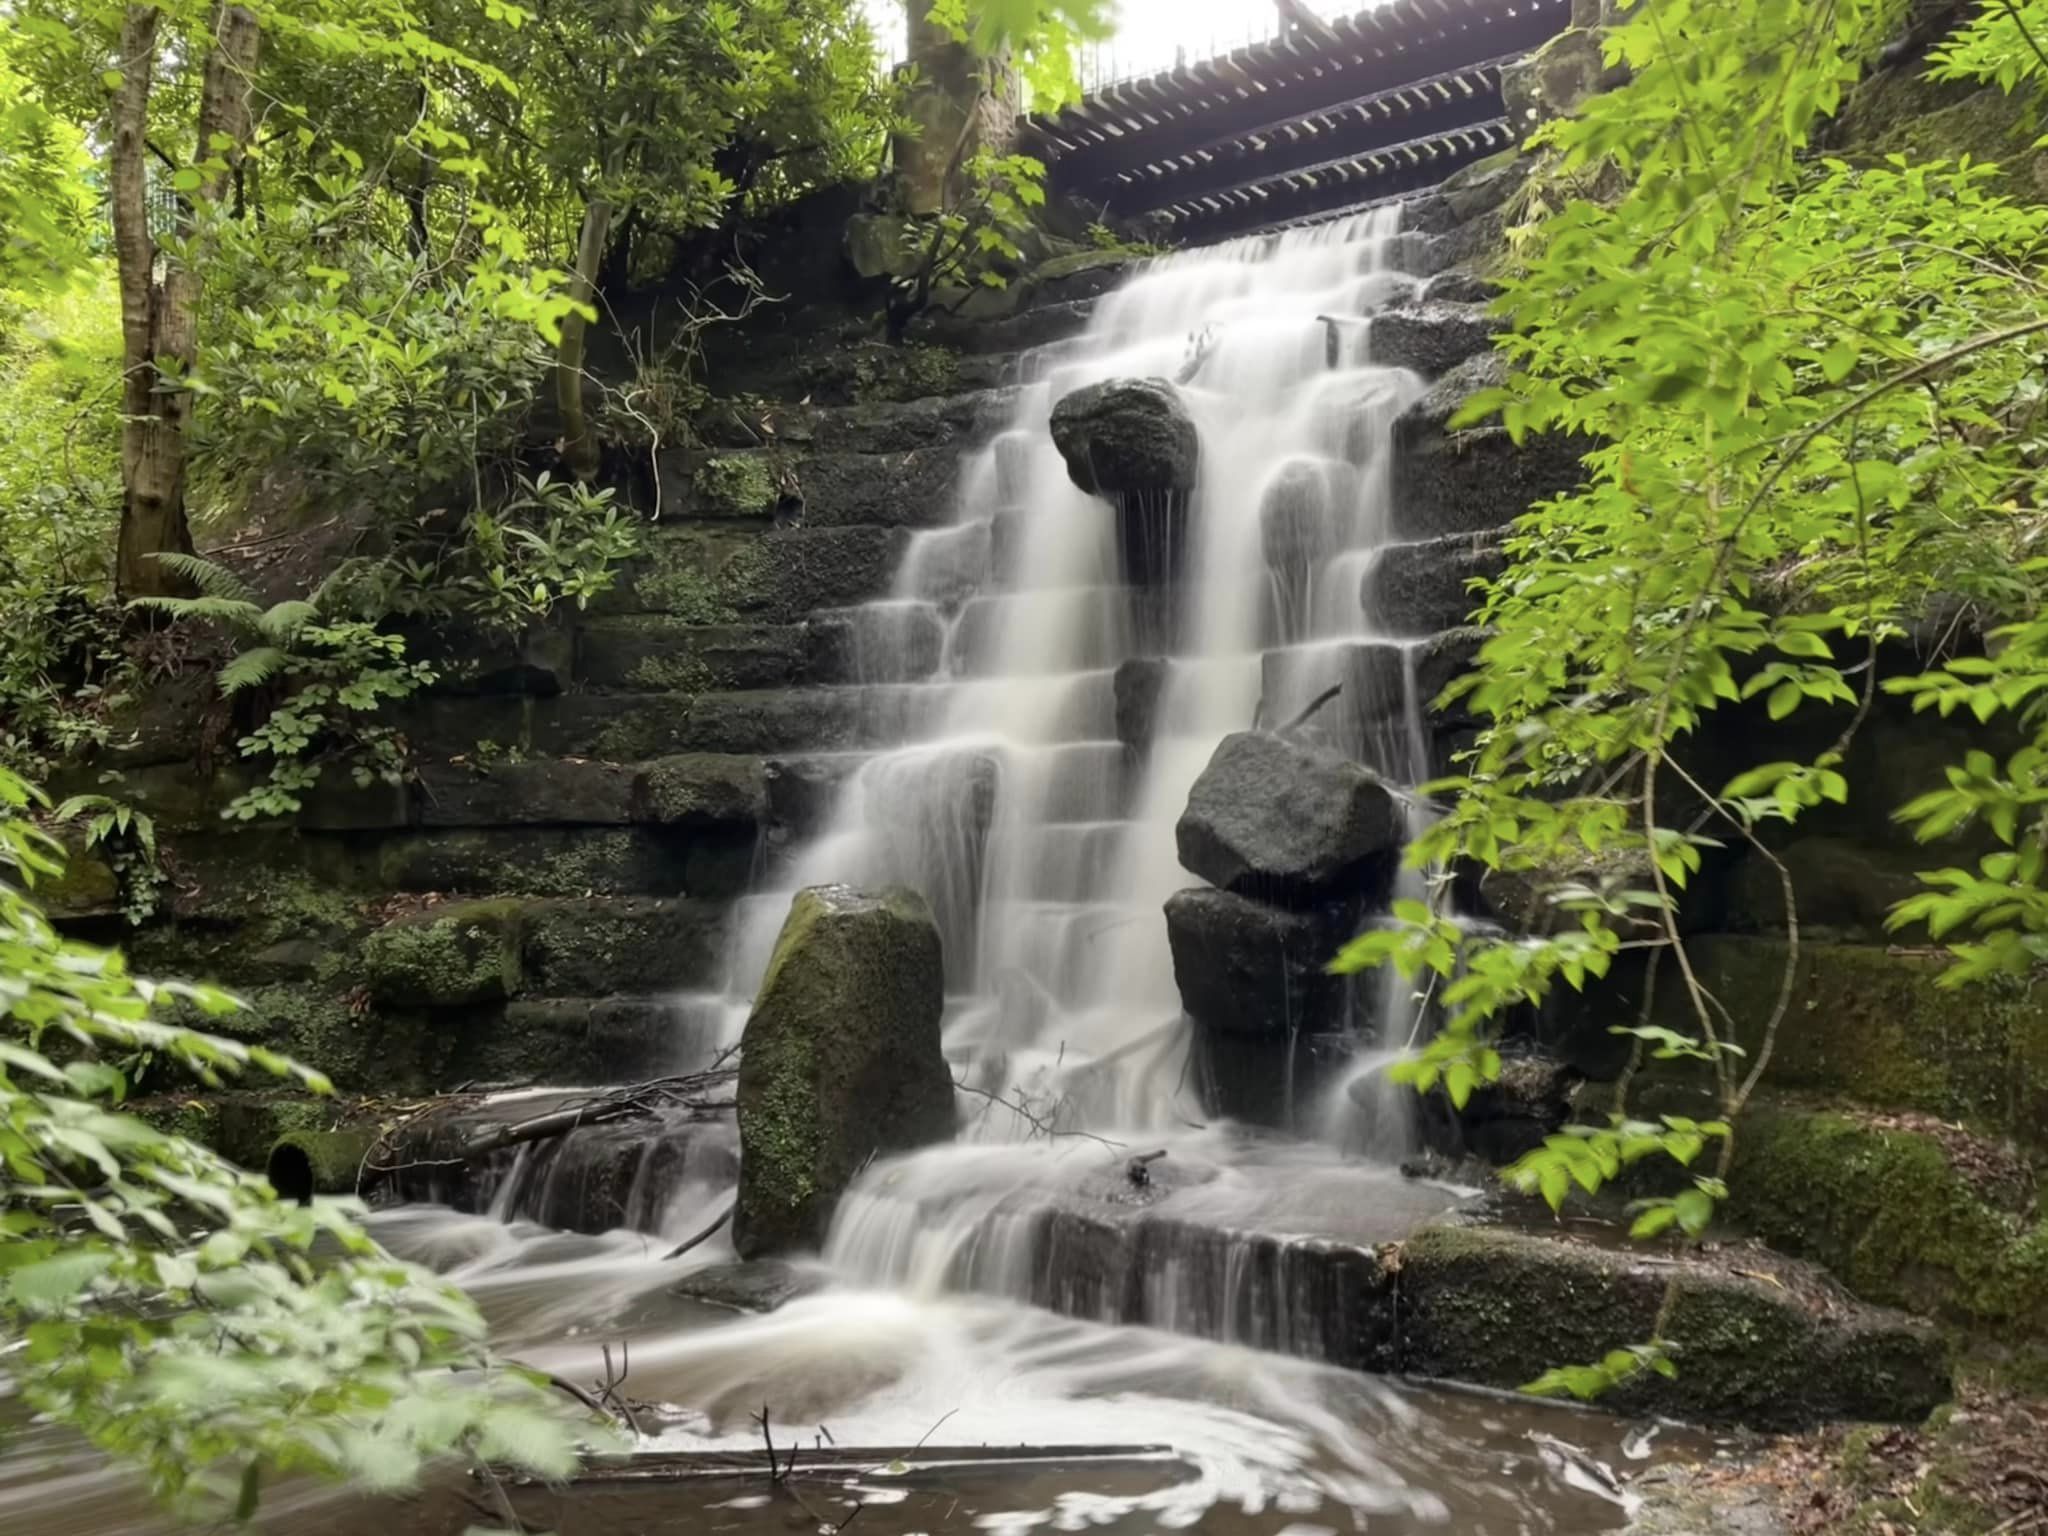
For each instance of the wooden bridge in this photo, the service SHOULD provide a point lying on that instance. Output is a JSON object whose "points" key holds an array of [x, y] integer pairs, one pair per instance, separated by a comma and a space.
{"points": [[1326, 117]]}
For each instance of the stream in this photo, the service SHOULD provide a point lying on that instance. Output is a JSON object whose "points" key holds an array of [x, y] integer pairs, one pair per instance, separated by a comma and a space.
{"points": [[1181, 1367]]}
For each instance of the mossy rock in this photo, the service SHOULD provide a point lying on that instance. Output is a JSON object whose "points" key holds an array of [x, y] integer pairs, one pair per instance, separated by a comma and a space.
{"points": [[1501, 1307], [840, 1059], [1876, 1027], [733, 485], [445, 958], [1904, 1210], [702, 789]]}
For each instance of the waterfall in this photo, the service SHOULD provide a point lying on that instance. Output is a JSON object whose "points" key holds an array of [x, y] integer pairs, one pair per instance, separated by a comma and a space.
{"points": [[1044, 843]]}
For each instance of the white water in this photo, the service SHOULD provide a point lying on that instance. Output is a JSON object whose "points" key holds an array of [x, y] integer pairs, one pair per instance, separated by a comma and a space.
{"points": [[1045, 848]]}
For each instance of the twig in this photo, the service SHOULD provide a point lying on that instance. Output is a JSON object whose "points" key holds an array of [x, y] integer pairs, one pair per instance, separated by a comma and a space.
{"points": [[1315, 704], [1042, 1127], [688, 1243]]}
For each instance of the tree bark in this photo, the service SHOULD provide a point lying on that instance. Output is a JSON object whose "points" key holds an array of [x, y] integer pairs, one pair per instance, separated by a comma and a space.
{"points": [[160, 314], [579, 443]]}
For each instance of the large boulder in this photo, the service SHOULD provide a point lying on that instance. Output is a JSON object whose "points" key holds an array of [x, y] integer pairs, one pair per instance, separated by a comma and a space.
{"points": [[1286, 823], [1244, 968], [1420, 588], [1429, 339], [840, 1059], [1127, 437]]}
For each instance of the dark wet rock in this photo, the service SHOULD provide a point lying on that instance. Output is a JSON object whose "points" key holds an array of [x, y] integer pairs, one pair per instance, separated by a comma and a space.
{"points": [[1440, 661], [447, 956], [587, 946], [908, 489], [840, 1059], [654, 653], [1532, 1099], [1138, 685], [1528, 900], [1429, 339], [1246, 968], [877, 643], [338, 803], [1458, 286], [1473, 193], [1274, 819], [1431, 415], [1298, 526], [1478, 480], [802, 789], [538, 662], [1420, 588], [701, 789], [547, 792], [1127, 437], [1035, 325], [1841, 889], [942, 421], [1759, 1339], [753, 1285]]}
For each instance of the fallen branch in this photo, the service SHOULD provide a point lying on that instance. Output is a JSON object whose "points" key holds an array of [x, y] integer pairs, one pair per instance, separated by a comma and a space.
{"points": [[1039, 1126], [705, 1236], [1315, 704], [648, 1100]]}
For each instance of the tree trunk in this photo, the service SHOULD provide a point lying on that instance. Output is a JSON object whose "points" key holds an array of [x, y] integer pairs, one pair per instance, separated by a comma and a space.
{"points": [[579, 443], [160, 315]]}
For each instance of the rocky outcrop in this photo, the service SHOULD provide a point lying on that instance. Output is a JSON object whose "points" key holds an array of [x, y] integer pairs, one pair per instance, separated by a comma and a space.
{"points": [[840, 1060], [1272, 819], [1246, 968], [1429, 339], [1421, 588], [1127, 437]]}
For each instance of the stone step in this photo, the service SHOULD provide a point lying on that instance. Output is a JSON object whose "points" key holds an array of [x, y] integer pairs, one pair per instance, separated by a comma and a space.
{"points": [[1418, 588], [1477, 480], [657, 653], [904, 488], [1428, 339], [770, 576], [936, 421], [559, 861]]}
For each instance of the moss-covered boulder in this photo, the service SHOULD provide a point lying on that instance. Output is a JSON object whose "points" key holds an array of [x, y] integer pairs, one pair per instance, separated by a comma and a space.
{"points": [[1757, 1339], [840, 1059], [1904, 1209], [446, 957]]}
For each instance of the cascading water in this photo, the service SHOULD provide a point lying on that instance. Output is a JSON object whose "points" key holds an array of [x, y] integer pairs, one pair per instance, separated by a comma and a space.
{"points": [[1046, 849], [1044, 844]]}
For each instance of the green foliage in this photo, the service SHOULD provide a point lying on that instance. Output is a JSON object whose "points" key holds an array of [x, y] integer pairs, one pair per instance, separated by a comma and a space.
{"points": [[1809, 393], [973, 242], [1040, 36], [1615, 1368], [165, 1304], [336, 672], [126, 838]]}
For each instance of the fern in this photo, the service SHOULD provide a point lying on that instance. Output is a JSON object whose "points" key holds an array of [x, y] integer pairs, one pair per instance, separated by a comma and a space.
{"points": [[209, 579], [251, 668], [282, 621], [227, 610]]}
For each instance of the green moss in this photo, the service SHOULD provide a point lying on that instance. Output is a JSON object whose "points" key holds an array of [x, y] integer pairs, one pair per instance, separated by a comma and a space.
{"points": [[1876, 1028], [1901, 111], [1501, 1307], [671, 674], [1887, 1211], [454, 956], [734, 485], [302, 1163]]}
